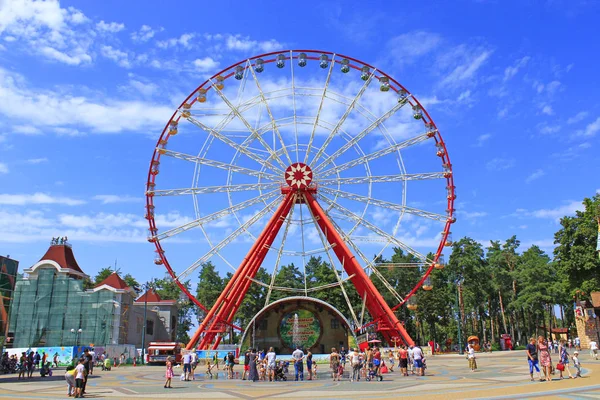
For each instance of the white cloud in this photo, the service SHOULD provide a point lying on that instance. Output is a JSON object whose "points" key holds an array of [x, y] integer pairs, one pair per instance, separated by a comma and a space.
{"points": [[69, 113], [145, 33], [37, 160], [244, 43], [44, 27], [546, 129], [112, 27], [118, 56], [112, 198], [580, 116], [535, 175], [183, 41], [547, 109], [77, 57], [406, 48], [37, 198], [559, 212], [591, 129], [467, 69], [205, 64], [26, 130], [500, 164], [510, 72], [472, 214], [482, 139], [3, 169]]}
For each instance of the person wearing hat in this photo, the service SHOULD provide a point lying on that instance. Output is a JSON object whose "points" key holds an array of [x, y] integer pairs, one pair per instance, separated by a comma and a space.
{"points": [[577, 364]]}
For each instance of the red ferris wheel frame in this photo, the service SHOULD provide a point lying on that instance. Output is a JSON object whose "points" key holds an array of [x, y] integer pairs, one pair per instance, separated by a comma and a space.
{"points": [[220, 316]]}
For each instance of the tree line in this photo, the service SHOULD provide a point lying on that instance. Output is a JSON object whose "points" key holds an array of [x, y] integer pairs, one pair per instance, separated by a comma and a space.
{"points": [[494, 288]]}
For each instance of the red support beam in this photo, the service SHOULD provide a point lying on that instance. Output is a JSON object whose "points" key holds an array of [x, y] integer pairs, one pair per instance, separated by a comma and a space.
{"points": [[375, 303], [238, 285]]}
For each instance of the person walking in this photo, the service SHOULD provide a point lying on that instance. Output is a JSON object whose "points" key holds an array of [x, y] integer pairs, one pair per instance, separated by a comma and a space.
{"points": [[471, 357], [577, 364], [246, 365], [30, 364], [22, 366], [377, 362], [169, 373], [334, 364], [79, 377], [403, 360], [544, 357], [298, 356], [564, 360], [418, 357], [253, 373], [187, 366], [271, 363], [55, 360], [532, 359], [355, 363], [309, 365], [594, 349], [194, 364], [411, 360], [230, 363]]}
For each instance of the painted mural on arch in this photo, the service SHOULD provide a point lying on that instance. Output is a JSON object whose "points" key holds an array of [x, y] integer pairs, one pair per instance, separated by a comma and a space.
{"points": [[299, 328]]}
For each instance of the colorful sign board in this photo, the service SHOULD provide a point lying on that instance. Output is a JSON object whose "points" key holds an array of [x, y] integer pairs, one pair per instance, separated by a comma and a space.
{"points": [[299, 328]]}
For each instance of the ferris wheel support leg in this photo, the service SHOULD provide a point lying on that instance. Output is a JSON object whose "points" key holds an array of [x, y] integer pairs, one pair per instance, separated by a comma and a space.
{"points": [[212, 317], [238, 293], [378, 308]]}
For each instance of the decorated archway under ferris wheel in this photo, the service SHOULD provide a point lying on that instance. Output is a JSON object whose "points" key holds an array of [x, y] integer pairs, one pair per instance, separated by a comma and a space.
{"points": [[307, 161]]}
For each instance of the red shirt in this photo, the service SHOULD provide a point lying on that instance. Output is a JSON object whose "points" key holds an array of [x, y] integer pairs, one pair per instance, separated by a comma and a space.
{"points": [[403, 353], [377, 355]]}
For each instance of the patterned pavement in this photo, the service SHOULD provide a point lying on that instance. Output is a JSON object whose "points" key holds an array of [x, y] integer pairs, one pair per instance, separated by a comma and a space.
{"points": [[501, 375]]}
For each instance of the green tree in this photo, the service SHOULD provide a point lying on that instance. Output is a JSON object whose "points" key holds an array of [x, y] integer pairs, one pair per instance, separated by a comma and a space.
{"points": [[102, 275], [575, 253], [132, 282], [210, 286], [167, 289]]}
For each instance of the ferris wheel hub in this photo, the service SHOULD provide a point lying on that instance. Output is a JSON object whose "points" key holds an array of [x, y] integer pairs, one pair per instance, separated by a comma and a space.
{"points": [[298, 175]]}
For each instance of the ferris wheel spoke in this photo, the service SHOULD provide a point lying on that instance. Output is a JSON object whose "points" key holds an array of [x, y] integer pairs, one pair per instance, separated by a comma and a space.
{"points": [[268, 109], [375, 229], [376, 154], [380, 178], [385, 204], [219, 164], [370, 265], [279, 253], [339, 124], [254, 133], [216, 215], [332, 264], [314, 129], [359, 136], [242, 149], [244, 187], [218, 247]]}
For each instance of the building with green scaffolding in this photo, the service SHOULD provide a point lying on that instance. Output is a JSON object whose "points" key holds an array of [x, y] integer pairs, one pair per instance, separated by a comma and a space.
{"points": [[50, 307]]}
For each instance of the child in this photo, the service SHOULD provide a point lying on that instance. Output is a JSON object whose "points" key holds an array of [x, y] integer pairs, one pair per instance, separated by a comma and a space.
{"points": [[169, 373], [70, 378], [340, 371], [209, 369], [577, 364], [79, 377]]}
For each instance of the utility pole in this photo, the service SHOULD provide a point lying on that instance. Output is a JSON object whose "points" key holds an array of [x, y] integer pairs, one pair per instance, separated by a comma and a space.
{"points": [[147, 286]]}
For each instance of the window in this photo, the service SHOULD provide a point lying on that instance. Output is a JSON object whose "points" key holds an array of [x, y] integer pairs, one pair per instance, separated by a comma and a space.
{"points": [[335, 323], [149, 327]]}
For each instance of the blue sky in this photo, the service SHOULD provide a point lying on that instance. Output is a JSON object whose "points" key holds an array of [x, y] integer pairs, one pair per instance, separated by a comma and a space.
{"points": [[86, 88]]}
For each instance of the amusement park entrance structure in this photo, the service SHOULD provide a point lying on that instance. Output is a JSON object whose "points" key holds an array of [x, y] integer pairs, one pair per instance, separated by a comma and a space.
{"points": [[301, 183]]}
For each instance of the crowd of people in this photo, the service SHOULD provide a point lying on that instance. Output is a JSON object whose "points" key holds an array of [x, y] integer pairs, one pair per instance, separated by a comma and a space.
{"points": [[539, 354]]}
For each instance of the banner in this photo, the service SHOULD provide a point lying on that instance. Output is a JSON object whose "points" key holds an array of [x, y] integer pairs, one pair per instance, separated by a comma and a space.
{"points": [[64, 354], [299, 328]]}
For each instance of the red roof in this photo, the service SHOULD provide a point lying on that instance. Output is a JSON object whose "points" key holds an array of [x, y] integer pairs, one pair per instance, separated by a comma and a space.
{"points": [[114, 281], [63, 256], [152, 297]]}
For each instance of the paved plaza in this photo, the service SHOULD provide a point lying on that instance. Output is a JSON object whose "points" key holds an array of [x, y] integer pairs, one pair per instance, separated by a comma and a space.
{"points": [[500, 375]]}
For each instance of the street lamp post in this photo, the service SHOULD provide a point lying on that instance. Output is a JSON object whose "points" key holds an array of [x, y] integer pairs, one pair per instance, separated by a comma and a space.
{"points": [[458, 282], [147, 286], [77, 332]]}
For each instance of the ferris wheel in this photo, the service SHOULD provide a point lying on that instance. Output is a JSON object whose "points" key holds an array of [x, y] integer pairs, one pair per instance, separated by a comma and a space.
{"points": [[294, 154]]}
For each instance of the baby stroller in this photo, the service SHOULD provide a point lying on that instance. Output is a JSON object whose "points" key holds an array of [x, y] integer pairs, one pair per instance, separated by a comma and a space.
{"points": [[279, 373], [372, 375], [46, 370]]}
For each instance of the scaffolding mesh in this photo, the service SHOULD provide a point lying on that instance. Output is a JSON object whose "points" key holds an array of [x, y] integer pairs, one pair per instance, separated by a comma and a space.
{"points": [[49, 309]]}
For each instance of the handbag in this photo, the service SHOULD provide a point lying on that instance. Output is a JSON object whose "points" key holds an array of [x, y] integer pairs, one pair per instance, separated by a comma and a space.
{"points": [[384, 369], [560, 366]]}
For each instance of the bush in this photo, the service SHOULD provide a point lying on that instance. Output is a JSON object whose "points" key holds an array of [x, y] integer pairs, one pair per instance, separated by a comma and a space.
{"points": [[519, 348], [495, 347]]}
